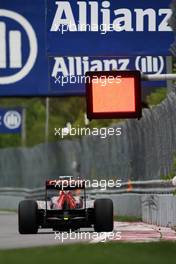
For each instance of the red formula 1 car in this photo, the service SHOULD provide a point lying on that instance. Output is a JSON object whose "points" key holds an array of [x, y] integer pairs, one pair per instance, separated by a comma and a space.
{"points": [[65, 207]]}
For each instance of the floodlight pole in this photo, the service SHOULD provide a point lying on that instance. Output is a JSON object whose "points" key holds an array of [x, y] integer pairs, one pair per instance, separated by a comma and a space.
{"points": [[23, 132], [47, 119]]}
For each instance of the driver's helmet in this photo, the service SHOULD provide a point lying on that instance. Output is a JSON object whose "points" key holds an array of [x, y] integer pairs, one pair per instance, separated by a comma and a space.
{"points": [[77, 192]]}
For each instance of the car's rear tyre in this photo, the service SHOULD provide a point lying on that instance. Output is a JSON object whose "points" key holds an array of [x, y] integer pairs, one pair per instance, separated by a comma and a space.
{"points": [[103, 215], [27, 217]]}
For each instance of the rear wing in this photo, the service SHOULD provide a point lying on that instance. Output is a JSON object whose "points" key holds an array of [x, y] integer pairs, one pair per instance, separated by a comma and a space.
{"points": [[65, 184]]}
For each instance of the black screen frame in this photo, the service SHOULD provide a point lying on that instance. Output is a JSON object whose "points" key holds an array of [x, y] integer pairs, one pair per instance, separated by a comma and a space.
{"points": [[113, 115]]}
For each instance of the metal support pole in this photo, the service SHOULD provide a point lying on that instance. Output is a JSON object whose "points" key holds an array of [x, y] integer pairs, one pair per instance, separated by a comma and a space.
{"points": [[47, 120], [23, 130], [169, 69], [158, 77]]}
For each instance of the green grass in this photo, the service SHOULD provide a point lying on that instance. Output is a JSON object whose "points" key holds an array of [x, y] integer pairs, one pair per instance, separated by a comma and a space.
{"points": [[121, 218], [143, 253], [126, 218], [8, 210]]}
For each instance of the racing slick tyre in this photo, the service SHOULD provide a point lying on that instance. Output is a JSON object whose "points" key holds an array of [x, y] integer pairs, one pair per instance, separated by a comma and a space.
{"points": [[27, 217], [103, 215]]}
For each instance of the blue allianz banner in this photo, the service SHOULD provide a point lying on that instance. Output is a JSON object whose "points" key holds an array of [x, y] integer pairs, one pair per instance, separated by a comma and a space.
{"points": [[23, 61], [108, 28], [67, 74], [10, 121], [80, 32]]}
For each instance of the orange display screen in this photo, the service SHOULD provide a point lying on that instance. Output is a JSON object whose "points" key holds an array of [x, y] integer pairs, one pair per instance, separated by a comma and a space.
{"points": [[114, 94], [114, 97]]}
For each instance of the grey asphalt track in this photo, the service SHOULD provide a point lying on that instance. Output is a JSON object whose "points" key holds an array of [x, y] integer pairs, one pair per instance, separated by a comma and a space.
{"points": [[123, 232], [10, 238]]}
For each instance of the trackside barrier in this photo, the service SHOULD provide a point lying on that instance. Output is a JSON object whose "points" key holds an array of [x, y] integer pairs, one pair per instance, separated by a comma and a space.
{"points": [[138, 187], [153, 201]]}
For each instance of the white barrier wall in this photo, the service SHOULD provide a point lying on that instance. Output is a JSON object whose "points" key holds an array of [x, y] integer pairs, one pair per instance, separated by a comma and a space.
{"points": [[159, 209]]}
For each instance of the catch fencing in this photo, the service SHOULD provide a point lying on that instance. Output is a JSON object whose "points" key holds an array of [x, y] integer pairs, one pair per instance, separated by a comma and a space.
{"points": [[144, 151]]}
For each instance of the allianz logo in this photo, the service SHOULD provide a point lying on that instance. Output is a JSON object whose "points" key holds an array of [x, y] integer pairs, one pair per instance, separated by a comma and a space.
{"points": [[13, 48], [122, 19], [73, 66], [12, 120]]}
